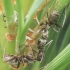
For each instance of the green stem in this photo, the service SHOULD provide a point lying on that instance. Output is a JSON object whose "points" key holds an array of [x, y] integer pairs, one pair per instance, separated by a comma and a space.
{"points": [[32, 11], [20, 25], [8, 10], [21, 38]]}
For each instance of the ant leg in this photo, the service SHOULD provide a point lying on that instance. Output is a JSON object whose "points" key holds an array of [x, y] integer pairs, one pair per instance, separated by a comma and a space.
{"points": [[54, 29], [33, 49], [30, 30], [64, 17], [34, 52], [36, 18], [28, 38], [49, 43], [4, 54], [66, 7], [5, 47], [64, 21], [37, 21]]}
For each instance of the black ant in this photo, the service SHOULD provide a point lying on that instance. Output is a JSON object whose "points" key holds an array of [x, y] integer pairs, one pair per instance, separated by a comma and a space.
{"points": [[43, 41], [16, 60]]}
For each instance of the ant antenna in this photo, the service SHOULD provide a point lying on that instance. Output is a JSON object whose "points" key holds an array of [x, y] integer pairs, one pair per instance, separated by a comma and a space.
{"points": [[54, 29], [64, 16]]}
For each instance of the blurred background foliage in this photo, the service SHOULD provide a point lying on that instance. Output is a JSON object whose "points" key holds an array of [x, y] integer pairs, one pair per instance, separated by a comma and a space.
{"points": [[54, 57]]}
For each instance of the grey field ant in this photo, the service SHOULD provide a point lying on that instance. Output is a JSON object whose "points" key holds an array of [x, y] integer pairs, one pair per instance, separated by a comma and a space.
{"points": [[12, 60], [50, 20], [16, 60], [45, 24], [43, 41]]}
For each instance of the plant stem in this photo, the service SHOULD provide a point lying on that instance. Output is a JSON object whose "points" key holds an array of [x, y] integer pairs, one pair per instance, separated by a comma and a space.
{"points": [[9, 11], [23, 28]]}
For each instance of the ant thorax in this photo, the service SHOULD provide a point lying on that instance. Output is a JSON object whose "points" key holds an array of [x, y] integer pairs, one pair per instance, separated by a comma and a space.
{"points": [[41, 42]]}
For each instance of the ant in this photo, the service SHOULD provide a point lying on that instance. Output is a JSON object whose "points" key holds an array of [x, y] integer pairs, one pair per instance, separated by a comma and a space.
{"points": [[43, 41], [12, 60], [16, 60]]}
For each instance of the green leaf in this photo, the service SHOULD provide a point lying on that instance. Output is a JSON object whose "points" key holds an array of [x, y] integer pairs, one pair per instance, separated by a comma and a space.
{"points": [[59, 60]]}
